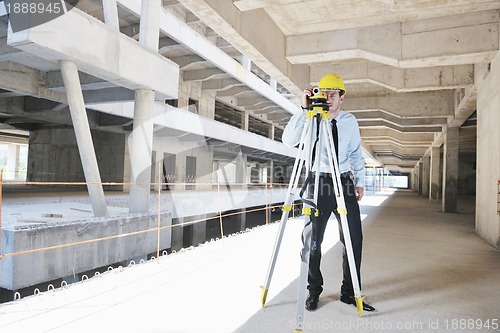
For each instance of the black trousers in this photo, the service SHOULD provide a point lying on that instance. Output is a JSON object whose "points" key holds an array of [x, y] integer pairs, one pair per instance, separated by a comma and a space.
{"points": [[327, 204]]}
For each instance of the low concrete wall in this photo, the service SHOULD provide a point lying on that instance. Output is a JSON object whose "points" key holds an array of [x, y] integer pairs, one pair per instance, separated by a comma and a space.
{"points": [[28, 269]]}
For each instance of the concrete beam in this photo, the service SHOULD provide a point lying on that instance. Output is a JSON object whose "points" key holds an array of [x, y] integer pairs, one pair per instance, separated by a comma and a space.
{"points": [[398, 79], [403, 138], [276, 116], [394, 119], [393, 160], [414, 151], [234, 91], [244, 101], [185, 61], [468, 97], [203, 74], [187, 122], [172, 26], [212, 17], [26, 81], [109, 95], [384, 123], [54, 41], [54, 81], [7, 52], [260, 106], [430, 104], [246, 5], [454, 43], [220, 84]]}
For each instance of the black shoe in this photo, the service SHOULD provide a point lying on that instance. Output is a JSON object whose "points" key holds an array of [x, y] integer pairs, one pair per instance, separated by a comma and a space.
{"points": [[347, 299], [312, 302]]}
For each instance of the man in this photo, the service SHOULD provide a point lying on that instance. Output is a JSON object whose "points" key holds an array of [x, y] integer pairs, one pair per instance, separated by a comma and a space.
{"points": [[352, 168]]}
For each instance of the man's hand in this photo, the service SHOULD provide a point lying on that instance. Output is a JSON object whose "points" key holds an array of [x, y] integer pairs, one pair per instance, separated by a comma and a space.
{"points": [[360, 191], [305, 98]]}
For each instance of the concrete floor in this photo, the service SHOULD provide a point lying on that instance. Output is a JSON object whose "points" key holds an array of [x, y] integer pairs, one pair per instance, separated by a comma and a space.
{"points": [[423, 270]]}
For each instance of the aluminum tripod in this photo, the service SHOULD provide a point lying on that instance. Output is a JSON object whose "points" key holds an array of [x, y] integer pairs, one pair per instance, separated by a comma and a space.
{"points": [[318, 113]]}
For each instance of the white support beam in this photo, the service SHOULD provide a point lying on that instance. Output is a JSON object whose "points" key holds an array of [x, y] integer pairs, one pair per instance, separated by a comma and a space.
{"points": [[180, 31], [188, 122], [111, 14], [84, 138], [448, 43], [149, 28], [55, 40]]}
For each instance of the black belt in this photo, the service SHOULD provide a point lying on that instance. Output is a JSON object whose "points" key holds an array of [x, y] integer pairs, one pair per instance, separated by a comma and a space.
{"points": [[347, 174]]}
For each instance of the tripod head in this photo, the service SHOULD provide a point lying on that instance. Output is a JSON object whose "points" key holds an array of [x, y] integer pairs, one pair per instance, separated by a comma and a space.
{"points": [[318, 101], [318, 105]]}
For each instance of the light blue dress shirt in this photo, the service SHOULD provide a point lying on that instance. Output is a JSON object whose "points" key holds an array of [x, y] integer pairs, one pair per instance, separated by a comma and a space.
{"points": [[350, 154]]}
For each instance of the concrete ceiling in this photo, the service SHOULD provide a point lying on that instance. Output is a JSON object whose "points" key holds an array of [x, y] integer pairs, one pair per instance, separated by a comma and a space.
{"points": [[411, 68]]}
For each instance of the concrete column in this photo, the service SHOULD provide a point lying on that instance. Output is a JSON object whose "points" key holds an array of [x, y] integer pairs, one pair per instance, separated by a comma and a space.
{"points": [[420, 176], [246, 63], [488, 156], [140, 144], [200, 231], [270, 174], [158, 173], [271, 132], [12, 162], [141, 139], [426, 165], [450, 170], [273, 83], [412, 179], [241, 171], [244, 121], [111, 14], [242, 219], [435, 167], [126, 165], [149, 31], [83, 137], [177, 234]]}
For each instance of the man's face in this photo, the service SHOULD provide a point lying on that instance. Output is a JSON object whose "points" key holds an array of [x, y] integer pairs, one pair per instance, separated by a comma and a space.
{"points": [[333, 99]]}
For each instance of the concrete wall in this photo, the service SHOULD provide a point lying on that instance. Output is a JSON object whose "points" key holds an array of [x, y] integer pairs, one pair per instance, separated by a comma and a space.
{"points": [[488, 156], [25, 270], [53, 155]]}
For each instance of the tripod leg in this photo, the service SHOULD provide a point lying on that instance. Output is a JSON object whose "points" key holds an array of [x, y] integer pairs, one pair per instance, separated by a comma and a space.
{"points": [[287, 206], [307, 235], [341, 209], [304, 270], [279, 237], [350, 256]]}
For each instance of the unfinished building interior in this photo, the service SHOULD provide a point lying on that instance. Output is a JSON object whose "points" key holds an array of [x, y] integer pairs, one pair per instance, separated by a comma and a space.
{"points": [[131, 129]]}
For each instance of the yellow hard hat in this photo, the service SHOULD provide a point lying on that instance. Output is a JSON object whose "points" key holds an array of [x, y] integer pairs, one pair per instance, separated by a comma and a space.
{"points": [[331, 82]]}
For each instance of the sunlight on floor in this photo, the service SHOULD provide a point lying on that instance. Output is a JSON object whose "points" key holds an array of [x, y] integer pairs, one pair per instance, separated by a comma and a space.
{"points": [[213, 287], [377, 198]]}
